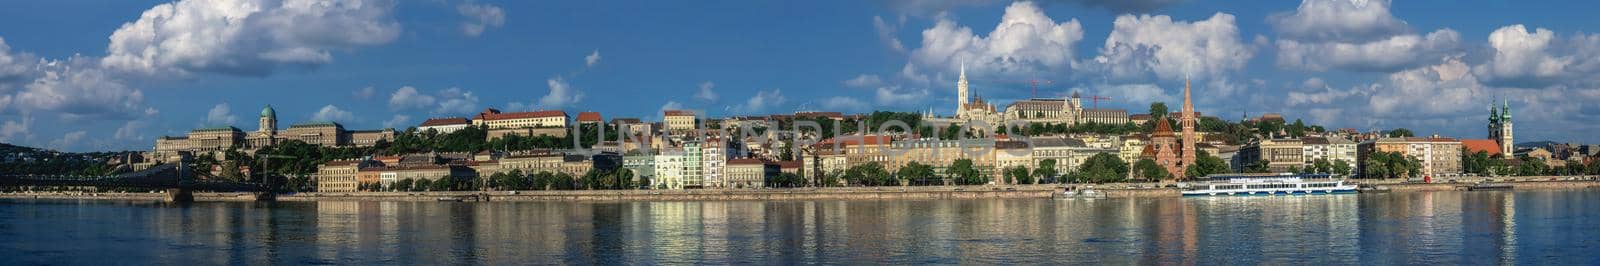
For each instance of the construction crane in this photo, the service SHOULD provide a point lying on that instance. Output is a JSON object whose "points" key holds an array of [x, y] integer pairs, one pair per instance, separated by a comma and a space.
{"points": [[1096, 100]]}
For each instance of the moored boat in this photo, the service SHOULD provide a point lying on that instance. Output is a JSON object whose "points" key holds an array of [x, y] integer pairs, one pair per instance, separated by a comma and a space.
{"points": [[1262, 185]]}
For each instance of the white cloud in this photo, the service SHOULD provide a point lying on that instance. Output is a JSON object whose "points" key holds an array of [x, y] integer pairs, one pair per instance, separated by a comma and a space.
{"points": [[398, 121], [68, 140], [16, 130], [480, 18], [1538, 58], [1394, 53], [1138, 93], [929, 7], [1126, 6], [670, 105], [1343, 20], [841, 103], [454, 100], [1026, 41], [408, 97], [896, 96], [864, 81], [364, 93], [561, 94], [1172, 50], [1444, 89], [761, 102], [332, 113], [131, 130], [220, 115], [246, 37], [1315, 91], [75, 88], [1356, 35], [13, 68], [886, 33], [705, 93], [592, 59]]}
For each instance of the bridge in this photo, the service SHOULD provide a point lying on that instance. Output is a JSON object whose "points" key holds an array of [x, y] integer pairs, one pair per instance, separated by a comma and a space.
{"points": [[177, 179]]}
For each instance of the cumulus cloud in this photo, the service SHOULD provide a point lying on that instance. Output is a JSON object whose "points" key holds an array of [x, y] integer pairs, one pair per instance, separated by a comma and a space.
{"points": [[408, 97], [841, 103], [1025, 42], [1355, 35], [220, 115], [896, 96], [448, 101], [75, 88], [131, 130], [928, 7], [68, 140], [330, 113], [1341, 20], [1394, 53], [364, 93], [246, 37], [705, 93], [761, 102], [864, 81], [14, 67], [561, 94], [480, 17], [592, 59], [1137, 93], [16, 130], [397, 121], [1145, 45], [886, 33], [1538, 58]]}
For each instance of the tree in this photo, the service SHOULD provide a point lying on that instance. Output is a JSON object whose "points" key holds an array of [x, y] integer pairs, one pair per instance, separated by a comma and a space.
{"points": [[404, 184], [1320, 166], [1531, 167], [1295, 169], [422, 185], [1018, 175], [918, 174], [1341, 168], [1401, 132], [1101, 168], [1158, 110], [1298, 129], [1205, 165], [1147, 169], [1261, 166], [964, 173], [1047, 171], [869, 174]]}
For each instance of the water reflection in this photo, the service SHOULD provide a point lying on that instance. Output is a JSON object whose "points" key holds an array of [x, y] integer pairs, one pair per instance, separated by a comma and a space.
{"points": [[1412, 228]]}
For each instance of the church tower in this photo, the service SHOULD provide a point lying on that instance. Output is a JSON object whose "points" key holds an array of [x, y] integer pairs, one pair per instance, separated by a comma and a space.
{"points": [[1188, 121], [1507, 144], [961, 90], [269, 121]]}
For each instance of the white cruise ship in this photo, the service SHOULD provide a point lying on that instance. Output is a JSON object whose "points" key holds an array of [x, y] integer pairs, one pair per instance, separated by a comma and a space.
{"points": [[1261, 185]]}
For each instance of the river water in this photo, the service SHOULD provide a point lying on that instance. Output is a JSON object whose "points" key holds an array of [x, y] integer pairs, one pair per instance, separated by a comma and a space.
{"points": [[1526, 227]]}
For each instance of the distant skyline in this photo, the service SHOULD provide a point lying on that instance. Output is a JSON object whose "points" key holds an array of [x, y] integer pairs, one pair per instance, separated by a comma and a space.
{"points": [[90, 75]]}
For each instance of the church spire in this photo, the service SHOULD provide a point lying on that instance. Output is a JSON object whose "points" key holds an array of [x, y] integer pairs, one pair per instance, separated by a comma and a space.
{"points": [[961, 89]]}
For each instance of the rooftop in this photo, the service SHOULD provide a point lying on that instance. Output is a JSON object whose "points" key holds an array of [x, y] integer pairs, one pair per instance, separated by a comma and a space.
{"points": [[445, 121], [589, 117]]}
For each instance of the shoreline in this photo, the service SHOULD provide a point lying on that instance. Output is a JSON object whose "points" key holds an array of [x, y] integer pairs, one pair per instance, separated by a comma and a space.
{"points": [[1134, 190]]}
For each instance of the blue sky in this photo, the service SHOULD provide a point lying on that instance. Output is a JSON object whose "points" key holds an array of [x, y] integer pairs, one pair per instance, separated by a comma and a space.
{"points": [[91, 75]]}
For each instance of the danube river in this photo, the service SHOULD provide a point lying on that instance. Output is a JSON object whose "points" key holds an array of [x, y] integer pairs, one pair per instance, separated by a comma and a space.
{"points": [[1538, 227]]}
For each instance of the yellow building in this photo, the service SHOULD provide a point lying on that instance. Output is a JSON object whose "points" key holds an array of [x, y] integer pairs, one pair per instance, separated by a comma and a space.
{"points": [[678, 120]]}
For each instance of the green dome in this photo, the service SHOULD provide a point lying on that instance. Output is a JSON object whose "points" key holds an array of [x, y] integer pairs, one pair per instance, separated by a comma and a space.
{"points": [[268, 112]]}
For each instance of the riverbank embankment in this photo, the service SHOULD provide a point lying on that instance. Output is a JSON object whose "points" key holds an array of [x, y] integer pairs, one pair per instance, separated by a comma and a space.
{"points": [[1121, 190]]}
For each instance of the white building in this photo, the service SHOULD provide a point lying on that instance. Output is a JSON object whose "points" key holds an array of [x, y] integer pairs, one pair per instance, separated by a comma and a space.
{"points": [[668, 169], [713, 157], [443, 125], [1331, 149]]}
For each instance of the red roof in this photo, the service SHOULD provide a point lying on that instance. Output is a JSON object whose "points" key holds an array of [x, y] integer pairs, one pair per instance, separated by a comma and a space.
{"points": [[1483, 145], [589, 117], [678, 113], [535, 114], [867, 140], [833, 115], [791, 164], [444, 121], [1163, 129]]}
